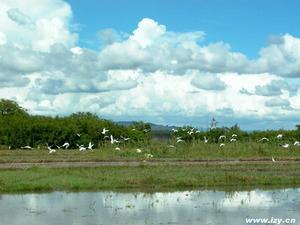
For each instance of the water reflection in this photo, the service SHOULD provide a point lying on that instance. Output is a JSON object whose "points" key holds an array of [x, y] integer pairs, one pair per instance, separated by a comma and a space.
{"points": [[195, 207]]}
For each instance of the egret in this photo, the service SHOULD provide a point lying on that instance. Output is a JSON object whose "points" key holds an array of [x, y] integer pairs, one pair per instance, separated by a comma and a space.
{"points": [[205, 140], [171, 146], [174, 130], [233, 135], [179, 141], [104, 131], [149, 155], [117, 149], [285, 145], [273, 160], [279, 136], [222, 144], [263, 139], [78, 134], [82, 148], [232, 140], [112, 140], [190, 132], [222, 137], [297, 143], [138, 150], [65, 145], [178, 138], [90, 147], [52, 151], [26, 147], [198, 131]]}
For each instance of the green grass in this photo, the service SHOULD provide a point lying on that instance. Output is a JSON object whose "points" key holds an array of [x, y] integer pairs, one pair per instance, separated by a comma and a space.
{"points": [[151, 178], [194, 151]]}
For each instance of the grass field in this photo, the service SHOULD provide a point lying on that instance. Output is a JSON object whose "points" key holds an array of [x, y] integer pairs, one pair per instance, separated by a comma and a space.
{"points": [[250, 150], [152, 178]]}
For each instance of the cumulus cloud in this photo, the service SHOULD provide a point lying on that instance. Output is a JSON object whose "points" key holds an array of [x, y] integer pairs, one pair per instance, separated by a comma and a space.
{"points": [[151, 73], [275, 88], [277, 102], [19, 17], [208, 82]]}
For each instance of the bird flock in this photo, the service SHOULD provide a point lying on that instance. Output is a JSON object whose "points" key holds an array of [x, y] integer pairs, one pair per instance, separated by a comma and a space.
{"points": [[179, 138]]}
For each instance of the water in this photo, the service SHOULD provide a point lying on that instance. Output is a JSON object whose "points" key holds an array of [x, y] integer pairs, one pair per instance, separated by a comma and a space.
{"points": [[184, 208]]}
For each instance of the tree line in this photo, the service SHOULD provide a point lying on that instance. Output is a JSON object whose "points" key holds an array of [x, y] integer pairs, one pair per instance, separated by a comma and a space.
{"points": [[18, 128]]}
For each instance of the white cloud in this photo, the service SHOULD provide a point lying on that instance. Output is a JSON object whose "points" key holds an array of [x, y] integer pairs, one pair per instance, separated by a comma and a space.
{"points": [[153, 73]]}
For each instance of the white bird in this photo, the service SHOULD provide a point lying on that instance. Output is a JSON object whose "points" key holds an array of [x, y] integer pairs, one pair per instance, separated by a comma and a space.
{"points": [[190, 132], [52, 151], [104, 131], [106, 137], [111, 139], [171, 146], [232, 140], [178, 138], [174, 130], [285, 145], [222, 137], [65, 145], [90, 147], [26, 147], [273, 160], [125, 138], [138, 150], [78, 134], [263, 139], [279, 136], [82, 148], [149, 155], [222, 144], [133, 129], [198, 131], [297, 143], [146, 130], [117, 149], [179, 141], [205, 140], [233, 135]]}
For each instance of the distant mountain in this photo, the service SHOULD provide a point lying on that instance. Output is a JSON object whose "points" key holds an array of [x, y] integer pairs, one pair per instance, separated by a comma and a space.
{"points": [[154, 127]]}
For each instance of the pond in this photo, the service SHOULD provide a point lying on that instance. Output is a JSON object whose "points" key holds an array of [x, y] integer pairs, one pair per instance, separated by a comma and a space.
{"points": [[184, 208]]}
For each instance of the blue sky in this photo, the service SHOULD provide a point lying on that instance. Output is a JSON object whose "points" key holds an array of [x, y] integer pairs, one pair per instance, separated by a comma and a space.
{"points": [[166, 62], [245, 24]]}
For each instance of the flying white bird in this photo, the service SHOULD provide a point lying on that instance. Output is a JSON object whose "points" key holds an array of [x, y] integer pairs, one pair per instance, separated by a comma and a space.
{"points": [[117, 149], [190, 132], [149, 155], [222, 144], [171, 146], [52, 151], [263, 139], [232, 140], [112, 140], [78, 134], [273, 160], [279, 136], [174, 130], [82, 148], [233, 135], [297, 143], [178, 138], [179, 141], [26, 147], [90, 147], [205, 140], [138, 150], [198, 131], [222, 137], [285, 145], [104, 131], [65, 145]]}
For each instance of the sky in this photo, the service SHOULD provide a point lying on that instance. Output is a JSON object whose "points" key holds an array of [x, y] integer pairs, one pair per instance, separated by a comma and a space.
{"points": [[166, 62]]}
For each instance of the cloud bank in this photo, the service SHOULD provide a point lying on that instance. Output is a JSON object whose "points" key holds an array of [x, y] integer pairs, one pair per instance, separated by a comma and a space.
{"points": [[152, 73]]}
